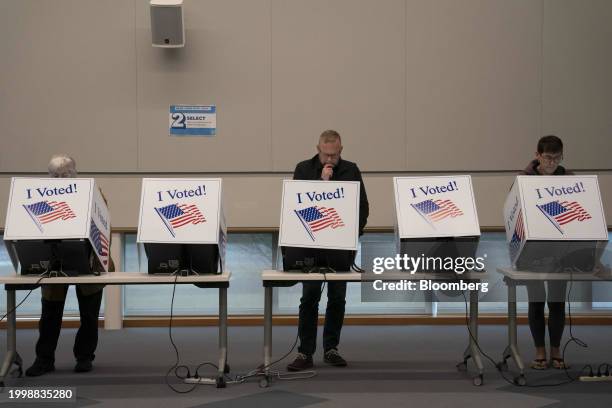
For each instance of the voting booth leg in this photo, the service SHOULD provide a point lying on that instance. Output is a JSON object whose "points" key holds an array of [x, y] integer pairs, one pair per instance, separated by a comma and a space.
{"points": [[12, 357], [512, 350], [472, 349], [474, 338], [223, 367], [269, 293]]}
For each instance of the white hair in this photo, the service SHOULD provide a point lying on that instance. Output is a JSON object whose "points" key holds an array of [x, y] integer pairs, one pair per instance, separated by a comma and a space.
{"points": [[62, 165]]}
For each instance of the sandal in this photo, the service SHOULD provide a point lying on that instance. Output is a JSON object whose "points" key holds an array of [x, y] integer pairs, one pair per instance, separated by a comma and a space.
{"points": [[539, 364], [558, 363]]}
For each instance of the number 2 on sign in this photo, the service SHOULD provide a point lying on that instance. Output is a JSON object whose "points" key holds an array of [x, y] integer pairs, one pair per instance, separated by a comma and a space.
{"points": [[178, 120]]}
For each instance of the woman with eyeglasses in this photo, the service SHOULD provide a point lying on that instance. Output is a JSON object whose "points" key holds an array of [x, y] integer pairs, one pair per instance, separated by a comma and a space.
{"points": [[548, 158]]}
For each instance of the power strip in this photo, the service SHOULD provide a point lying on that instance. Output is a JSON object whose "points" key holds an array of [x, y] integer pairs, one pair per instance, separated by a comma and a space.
{"points": [[200, 380], [595, 378]]}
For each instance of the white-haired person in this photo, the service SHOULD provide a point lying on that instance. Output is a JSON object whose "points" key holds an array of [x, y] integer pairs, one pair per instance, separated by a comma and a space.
{"points": [[53, 299]]}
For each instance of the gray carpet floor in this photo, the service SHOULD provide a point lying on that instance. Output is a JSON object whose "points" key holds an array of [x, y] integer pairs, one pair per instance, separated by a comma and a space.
{"points": [[390, 366]]}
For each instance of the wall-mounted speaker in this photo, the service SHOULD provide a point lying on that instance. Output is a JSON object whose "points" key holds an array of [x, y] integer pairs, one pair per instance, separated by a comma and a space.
{"points": [[167, 28]]}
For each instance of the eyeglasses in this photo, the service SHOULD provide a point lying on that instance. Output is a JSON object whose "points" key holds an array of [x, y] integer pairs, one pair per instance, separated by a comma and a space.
{"points": [[551, 159]]}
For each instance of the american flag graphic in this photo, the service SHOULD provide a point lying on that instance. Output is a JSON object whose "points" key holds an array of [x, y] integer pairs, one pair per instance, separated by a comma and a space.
{"points": [[99, 241], [561, 213], [179, 215], [316, 218], [518, 236], [44, 212], [436, 210]]}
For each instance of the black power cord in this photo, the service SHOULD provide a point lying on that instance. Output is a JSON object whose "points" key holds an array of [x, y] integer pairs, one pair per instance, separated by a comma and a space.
{"points": [[262, 368], [323, 271], [24, 299], [570, 340], [177, 367], [354, 267], [475, 340]]}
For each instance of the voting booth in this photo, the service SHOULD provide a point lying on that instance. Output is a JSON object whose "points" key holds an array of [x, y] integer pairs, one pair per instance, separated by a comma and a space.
{"points": [[57, 226], [319, 225], [555, 223], [182, 225], [435, 217]]}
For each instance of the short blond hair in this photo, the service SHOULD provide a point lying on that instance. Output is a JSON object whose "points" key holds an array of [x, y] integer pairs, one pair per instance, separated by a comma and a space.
{"points": [[330, 136]]}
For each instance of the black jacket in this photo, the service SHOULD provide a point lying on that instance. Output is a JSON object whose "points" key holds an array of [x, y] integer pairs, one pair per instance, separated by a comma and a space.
{"points": [[344, 171]]}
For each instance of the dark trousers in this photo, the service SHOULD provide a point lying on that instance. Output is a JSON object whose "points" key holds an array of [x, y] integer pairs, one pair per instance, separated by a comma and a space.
{"points": [[556, 312], [50, 325], [309, 313]]}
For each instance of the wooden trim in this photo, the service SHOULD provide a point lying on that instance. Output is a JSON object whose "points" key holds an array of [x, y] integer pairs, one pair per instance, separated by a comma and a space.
{"points": [[492, 228], [124, 230], [356, 320], [33, 324], [292, 320]]}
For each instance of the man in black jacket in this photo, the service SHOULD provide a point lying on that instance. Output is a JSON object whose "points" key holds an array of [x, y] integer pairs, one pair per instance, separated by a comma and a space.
{"points": [[326, 165]]}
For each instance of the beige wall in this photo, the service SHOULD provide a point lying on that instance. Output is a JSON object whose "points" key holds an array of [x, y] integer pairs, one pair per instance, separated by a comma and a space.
{"points": [[413, 85]]}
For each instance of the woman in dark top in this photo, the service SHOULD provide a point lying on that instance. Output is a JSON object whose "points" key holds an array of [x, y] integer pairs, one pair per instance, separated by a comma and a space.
{"points": [[547, 163]]}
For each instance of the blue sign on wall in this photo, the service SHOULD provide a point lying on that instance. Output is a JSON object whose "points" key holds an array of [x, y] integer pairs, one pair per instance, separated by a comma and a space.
{"points": [[193, 120]]}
